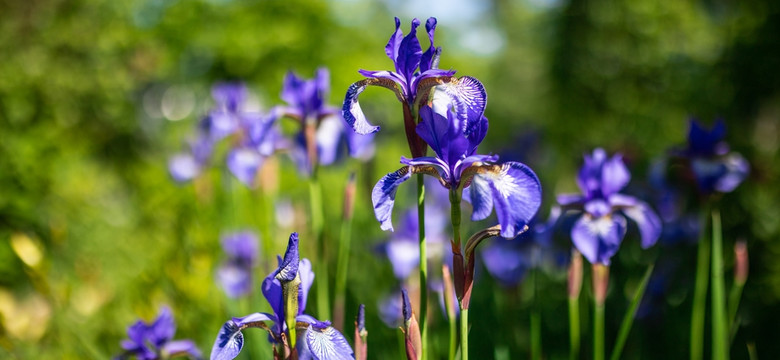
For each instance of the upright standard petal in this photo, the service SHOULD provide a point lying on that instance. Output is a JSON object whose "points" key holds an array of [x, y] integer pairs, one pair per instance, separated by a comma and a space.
{"points": [[704, 142], [288, 269], [515, 192], [598, 239], [272, 291], [323, 342], [614, 175], [383, 195], [409, 53], [427, 61], [391, 49], [307, 279]]}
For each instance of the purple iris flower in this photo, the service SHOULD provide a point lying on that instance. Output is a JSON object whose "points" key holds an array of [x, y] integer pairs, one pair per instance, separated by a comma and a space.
{"points": [[403, 249], [235, 274], [512, 188], [597, 234], [322, 132], [228, 113], [416, 73], [317, 341], [713, 166], [261, 138], [188, 165], [509, 260], [151, 341]]}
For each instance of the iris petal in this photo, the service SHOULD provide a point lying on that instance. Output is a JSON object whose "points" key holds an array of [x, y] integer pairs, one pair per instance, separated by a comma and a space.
{"points": [[469, 98], [181, 347], [648, 222], [324, 344], [244, 163], [614, 175], [598, 239], [383, 196], [351, 110], [307, 279], [230, 340]]}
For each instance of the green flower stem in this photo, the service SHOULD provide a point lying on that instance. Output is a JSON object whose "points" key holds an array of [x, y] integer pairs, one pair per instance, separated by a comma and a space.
{"points": [[628, 318], [449, 305], [734, 297], [574, 328], [700, 293], [423, 265], [342, 266], [464, 334], [536, 321], [453, 336], [720, 341], [598, 331], [315, 194]]}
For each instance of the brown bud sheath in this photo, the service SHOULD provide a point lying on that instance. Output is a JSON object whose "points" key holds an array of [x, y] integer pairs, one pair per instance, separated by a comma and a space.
{"points": [[741, 262], [458, 272], [575, 275], [600, 283], [468, 282]]}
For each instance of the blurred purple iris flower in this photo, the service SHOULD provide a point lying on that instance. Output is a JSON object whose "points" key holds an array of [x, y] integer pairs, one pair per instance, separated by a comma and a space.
{"points": [[713, 166], [403, 250], [509, 260], [151, 341], [512, 188], [186, 166], [235, 274], [318, 341], [597, 234]]}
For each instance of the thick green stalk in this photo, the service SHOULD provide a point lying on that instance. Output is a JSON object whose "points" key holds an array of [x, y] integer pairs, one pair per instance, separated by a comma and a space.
{"points": [[720, 340], [321, 260], [734, 297], [574, 328], [700, 293], [423, 265], [628, 318], [464, 334], [453, 337]]}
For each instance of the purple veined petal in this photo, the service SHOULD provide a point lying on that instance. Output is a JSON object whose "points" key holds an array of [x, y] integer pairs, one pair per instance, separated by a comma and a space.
{"points": [[515, 192], [244, 164], [649, 223], [351, 111], [614, 175], [230, 340], [183, 167], [288, 268], [180, 348], [329, 135], [307, 279], [320, 341], [235, 280], [598, 239], [409, 53], [469, 98], [570, 199], [391, 49], [427, 57], [272, 291], [737, 169], [479, 195], [597, 208], [434, 129], [383, 196]]}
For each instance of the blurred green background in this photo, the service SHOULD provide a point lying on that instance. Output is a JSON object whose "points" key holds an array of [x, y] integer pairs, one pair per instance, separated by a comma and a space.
{"points": [[96, 95]]}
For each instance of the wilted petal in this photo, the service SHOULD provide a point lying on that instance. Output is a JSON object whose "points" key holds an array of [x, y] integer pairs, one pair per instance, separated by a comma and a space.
{"points": [[614, 175], [515, 191], [649, 223], [230, 340], [322, 342], [383, 196], [598, 239], [180, 348], [244, 163]]}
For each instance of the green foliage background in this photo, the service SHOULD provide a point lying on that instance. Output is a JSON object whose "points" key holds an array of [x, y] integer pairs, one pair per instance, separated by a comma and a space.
{"points": [[83, 176]]}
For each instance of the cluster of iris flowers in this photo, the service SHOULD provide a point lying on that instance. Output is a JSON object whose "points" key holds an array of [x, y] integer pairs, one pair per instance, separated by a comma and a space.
{"points": [[446, 114]]}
